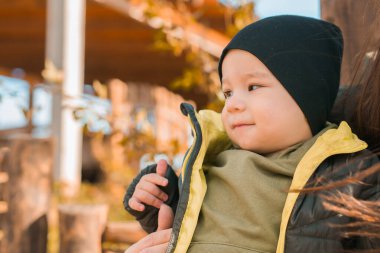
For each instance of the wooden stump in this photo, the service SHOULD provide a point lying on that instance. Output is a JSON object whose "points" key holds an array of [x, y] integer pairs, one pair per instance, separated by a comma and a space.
{"points": [[28, 164], [81, 228]]}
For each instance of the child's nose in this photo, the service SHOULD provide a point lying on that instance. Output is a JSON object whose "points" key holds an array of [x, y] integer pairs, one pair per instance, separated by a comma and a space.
{"points": [[235, 104]]}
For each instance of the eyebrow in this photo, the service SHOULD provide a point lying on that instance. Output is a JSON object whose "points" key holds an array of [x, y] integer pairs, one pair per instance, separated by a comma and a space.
{"points": [[255, 74]]}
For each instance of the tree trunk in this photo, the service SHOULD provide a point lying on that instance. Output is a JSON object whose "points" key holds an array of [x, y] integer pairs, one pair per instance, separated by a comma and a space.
{"points": [[27, 193], [81, 228]]}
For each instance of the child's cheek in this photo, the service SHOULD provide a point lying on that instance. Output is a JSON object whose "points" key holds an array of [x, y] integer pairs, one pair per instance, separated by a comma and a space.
{"points": [[224, 119]]}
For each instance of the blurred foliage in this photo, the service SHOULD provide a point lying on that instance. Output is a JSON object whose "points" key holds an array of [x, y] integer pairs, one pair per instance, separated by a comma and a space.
{"points": [[100, 89], [137, 143], [239, 16], [201, 72]]}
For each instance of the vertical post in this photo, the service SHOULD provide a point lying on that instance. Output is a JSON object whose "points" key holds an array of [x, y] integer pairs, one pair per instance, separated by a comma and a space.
{"points": [[73, 65], [53, 71], [64, 73]]}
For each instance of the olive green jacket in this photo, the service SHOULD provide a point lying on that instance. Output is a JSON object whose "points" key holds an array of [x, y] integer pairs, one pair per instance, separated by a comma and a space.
{"points": [[303, 216]]}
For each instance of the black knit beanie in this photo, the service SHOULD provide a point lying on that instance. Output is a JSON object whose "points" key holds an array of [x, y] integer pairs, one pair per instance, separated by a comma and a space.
{"points": [[304, 54]]}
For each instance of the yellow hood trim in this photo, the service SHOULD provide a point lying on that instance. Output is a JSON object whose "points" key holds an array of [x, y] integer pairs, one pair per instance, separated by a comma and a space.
{"points": [[332, 142], [214, 139]]}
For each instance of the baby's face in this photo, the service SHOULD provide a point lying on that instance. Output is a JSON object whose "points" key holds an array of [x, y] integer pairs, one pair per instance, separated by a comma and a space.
{"points": [[259, 114]]}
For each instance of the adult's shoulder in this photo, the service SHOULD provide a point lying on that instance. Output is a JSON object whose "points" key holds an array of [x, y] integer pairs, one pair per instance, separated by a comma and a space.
{"points": [[358, 173]]}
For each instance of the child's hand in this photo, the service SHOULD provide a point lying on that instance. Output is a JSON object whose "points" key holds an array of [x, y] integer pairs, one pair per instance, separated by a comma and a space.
{"points": [[165, 217], [147, 191], [157, 241]]}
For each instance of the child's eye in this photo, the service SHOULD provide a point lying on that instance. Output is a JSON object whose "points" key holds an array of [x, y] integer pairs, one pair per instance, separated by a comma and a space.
{"points": [[253, 87], [227, 94]]}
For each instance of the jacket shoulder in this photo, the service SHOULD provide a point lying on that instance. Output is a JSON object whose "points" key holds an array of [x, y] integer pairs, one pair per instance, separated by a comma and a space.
{"points": [[311, 221]]}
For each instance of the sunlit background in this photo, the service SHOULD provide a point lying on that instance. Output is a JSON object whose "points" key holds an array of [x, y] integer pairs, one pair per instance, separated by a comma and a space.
{"points": [[12, 116], [90, 94]]}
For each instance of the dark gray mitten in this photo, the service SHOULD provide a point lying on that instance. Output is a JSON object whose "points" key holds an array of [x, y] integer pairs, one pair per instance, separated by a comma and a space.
{"points": [[149, 217]]}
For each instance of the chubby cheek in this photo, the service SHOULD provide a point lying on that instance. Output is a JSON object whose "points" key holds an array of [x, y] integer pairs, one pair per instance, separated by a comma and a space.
{"points": [[225, 119], [266, 118], [227, 127], [269, 127], [285, 127]]}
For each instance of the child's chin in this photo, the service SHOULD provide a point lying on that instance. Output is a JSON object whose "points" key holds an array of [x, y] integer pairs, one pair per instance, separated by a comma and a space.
{"points": [[248, 147]]}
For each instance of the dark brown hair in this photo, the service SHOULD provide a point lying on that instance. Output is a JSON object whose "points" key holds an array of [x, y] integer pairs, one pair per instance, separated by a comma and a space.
{"points": [[360, 105], [367, 75]]}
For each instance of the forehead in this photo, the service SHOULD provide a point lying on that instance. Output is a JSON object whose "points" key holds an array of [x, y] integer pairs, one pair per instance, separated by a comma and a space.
{"points": [[243, 64], [247, 75]]}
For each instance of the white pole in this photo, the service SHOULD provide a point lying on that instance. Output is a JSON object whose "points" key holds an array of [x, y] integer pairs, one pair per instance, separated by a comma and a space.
{"points": [[53, 72], [73, 65]]}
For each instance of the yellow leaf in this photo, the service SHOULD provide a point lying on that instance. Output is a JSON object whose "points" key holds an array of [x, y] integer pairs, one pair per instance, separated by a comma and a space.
{"points": [[100, 89]]}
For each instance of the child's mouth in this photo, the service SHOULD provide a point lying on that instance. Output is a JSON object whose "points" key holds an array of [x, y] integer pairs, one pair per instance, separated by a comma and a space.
{"points": [[239, 126]]}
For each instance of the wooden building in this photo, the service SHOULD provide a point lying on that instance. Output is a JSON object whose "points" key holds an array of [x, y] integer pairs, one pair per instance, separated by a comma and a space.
{"points": [[116, 45]]}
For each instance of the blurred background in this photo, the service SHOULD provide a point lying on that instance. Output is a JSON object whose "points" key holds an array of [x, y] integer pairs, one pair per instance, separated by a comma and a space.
{"points": [[90, 93]]}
